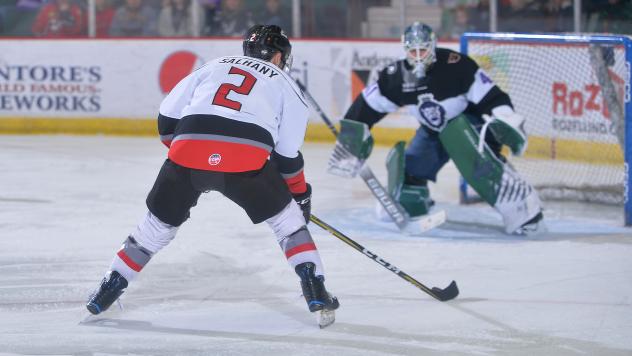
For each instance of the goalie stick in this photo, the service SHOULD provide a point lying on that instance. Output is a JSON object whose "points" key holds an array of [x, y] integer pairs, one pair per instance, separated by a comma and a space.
{"points": [[392, 208], [448, 293]]}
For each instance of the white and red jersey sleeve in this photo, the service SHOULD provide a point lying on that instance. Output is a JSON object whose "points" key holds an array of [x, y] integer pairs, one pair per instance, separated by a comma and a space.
{"points": [[172, 105], [292, 129], [230, 115]]}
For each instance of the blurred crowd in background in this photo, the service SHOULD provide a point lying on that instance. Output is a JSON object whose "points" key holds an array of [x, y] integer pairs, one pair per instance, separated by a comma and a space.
{"points": [[314, 18]]}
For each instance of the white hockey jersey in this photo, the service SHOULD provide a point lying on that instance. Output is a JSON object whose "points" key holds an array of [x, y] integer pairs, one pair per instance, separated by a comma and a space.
{"points": [[230, 114]]}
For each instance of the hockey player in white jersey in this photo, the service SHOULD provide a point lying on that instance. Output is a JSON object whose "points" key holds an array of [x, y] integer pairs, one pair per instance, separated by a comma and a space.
{"points": [[463, 116], [235, 125]]}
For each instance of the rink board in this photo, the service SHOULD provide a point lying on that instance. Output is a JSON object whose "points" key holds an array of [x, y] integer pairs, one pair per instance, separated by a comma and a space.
{"points": [[128, 78]]}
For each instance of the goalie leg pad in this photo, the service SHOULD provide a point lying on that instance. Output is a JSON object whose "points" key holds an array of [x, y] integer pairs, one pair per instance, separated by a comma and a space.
{"points": [[415, 199], [395, 168], [517, 202], [495, 181], [481, 170]]}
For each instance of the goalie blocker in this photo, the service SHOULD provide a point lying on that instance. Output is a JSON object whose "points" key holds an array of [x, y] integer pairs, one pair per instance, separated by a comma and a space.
{"points": [[495, 181]]}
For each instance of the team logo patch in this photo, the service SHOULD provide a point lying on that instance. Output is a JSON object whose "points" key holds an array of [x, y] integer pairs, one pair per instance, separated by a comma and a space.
{"points": [[391, 69], [453, 58], [214, 159], [431, 112]]}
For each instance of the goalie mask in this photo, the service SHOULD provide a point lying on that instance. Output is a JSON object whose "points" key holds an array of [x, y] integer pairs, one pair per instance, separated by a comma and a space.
{"points": [[263, 41], [419, 42]]}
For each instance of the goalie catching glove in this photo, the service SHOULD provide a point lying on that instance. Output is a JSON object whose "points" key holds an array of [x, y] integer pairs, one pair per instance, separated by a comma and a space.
{"points": [[508, 128], [353, 147]]}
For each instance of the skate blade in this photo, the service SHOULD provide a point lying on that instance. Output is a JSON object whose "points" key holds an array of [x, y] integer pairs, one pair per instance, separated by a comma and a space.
{"points": [[91, 318], [325, 318], [88, 319]]}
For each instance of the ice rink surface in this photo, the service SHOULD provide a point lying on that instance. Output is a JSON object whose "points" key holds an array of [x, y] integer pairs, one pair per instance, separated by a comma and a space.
{"points": [[223, 287]]}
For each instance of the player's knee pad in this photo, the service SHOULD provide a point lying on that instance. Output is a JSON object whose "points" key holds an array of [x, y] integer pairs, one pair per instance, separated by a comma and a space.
{"points": [[153, 234], [287, 221]]}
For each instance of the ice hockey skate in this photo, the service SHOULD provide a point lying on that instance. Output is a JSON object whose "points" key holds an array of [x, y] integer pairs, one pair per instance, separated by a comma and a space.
{"points": [[111, 288], [533, 227], [319, 301]]}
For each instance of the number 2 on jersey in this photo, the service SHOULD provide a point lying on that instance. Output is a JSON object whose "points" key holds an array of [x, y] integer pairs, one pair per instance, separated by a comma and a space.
{"points": [[244, 88]]}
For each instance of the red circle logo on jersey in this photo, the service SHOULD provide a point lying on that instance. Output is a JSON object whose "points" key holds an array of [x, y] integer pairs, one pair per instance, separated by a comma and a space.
{"points": [[175, 67], [214, 159]]}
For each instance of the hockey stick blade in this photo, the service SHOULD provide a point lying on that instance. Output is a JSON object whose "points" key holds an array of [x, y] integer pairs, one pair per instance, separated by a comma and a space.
{"points": [[426, 223], [432, 221], [448, 293]]}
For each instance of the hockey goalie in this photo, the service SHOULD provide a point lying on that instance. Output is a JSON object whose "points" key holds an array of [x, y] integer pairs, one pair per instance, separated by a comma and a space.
{"points": [[463, 116]]}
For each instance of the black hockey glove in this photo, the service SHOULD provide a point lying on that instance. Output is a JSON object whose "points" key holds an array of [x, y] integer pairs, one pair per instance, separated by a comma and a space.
{"points": [[304, 201]]}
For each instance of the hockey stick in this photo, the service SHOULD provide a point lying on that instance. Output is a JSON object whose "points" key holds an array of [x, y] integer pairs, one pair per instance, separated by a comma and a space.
{"points": [[448, 293], [392, 208]]}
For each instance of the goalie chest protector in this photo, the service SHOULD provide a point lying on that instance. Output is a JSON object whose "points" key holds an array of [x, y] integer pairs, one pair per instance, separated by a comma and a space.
{"points": [[454, 84]]}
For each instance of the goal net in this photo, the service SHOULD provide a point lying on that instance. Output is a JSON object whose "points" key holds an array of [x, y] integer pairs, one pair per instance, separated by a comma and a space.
{"points": [[574, 92]]}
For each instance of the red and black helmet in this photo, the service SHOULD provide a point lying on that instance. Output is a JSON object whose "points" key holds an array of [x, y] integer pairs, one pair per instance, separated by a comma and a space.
{"points": [[263, 41]]}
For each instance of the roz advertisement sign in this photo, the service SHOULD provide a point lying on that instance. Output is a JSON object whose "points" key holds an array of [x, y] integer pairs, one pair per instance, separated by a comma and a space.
{"points": [[555, 87]]}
